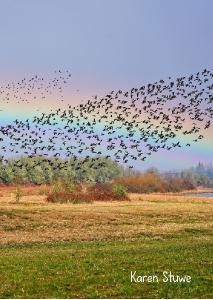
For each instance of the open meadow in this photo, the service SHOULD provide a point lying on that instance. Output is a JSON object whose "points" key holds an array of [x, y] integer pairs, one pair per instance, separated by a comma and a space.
{"points": [[88, 250]]}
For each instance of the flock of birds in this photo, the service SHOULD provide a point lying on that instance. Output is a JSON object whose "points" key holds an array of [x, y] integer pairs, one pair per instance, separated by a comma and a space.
{"points": [[125, 126], [35, 88]]}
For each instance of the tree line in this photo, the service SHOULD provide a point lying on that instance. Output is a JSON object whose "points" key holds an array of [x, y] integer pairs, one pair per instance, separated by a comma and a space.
{"points": [[38, 170], [200, 175]]}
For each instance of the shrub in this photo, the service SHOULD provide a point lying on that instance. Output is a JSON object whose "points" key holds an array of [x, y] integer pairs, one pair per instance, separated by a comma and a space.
{"points": [[57, 186], [120, 190], [18, 193], [178, 184], [88, 193], [147, 183], [105, 192], [152, 182]]}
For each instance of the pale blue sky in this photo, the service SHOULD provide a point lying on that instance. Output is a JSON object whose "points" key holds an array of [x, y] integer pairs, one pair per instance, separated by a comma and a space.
{"points": [[106, 43], [109, 44]]}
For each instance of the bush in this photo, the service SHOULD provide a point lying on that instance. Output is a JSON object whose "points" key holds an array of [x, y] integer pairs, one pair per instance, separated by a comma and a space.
{"points": [[120, 190], [88, 193], [147, 183], [57, 186], [178, 184], [18, 193], [152, 182], [106, 192]]}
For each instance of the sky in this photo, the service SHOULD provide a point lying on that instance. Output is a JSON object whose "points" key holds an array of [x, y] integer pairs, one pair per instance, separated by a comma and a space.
{"points": [[108, 44]]}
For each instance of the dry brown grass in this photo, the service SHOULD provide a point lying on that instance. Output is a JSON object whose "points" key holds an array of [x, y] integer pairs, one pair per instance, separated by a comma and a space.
{"points": [[156, 215], [26, 190]]}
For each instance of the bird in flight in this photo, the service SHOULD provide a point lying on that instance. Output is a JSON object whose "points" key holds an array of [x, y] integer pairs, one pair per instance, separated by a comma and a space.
{"points": [[126, 126]]}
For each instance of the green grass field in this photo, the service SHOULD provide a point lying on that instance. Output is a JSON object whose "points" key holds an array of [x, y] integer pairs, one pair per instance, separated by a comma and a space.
{"points": [[88, 251], [99, 270]]}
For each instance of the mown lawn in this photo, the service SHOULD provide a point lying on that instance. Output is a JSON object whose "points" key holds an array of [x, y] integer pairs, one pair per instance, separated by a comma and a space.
{"points": [[102, 269]]}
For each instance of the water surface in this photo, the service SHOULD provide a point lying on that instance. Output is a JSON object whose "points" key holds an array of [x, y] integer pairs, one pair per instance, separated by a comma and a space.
{"points": [[202, 195]]}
